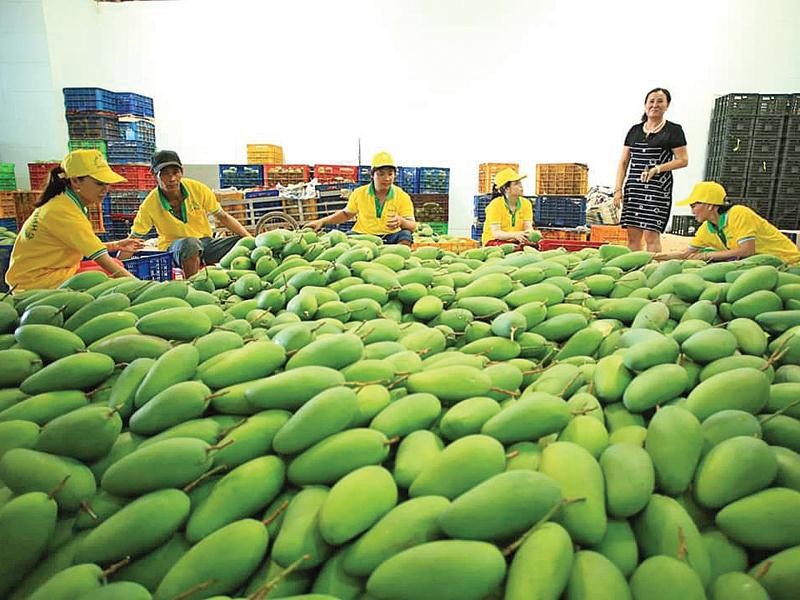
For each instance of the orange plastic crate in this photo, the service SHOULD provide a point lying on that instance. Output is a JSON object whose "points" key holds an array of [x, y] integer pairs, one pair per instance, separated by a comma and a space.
{"points": [[454, 245], [487, 171], [564, 179], [286, 174], [568, 245], [608, 234], [24, 205], [563, 234], [7, 206], [264, 153], [336, 173]]}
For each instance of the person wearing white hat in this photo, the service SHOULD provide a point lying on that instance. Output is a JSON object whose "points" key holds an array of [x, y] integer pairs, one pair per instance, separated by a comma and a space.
{"points": [[58, 234], [730, 232], [380, 207], [509, 217]]}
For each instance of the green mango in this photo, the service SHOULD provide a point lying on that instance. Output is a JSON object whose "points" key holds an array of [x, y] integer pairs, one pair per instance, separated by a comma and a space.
{"points": [[764, 519], [665, 578], [674, 442], [541, 566]]}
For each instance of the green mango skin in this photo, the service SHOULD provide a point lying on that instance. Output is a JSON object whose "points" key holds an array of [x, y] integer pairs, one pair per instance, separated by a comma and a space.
{"points": [[765, 519], [299, 534], [438, 570], [619, 546], [779, 574], [744, 389], [415, 452], [541, 565], [737, 586], [629, 477], [580, 476], [665, 578], [595, 577], [503, 506], [726, 556], [674, 442]]}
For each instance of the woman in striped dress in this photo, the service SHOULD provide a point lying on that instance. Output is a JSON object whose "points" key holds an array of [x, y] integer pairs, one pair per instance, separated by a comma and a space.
{"points": [[653, 149]]}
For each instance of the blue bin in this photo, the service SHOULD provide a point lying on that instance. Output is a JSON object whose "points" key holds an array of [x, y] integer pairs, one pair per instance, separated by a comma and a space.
{"points": [[153, 266]]}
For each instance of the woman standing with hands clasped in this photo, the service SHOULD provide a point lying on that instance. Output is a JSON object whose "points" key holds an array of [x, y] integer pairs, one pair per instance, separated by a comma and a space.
{"points": [[653, 149]]}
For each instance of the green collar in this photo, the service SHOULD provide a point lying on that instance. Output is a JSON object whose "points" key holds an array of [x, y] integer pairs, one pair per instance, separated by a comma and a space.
{"points": [[378, 205], [514, 212], [168, 207], [74, 197], [719, 230]]}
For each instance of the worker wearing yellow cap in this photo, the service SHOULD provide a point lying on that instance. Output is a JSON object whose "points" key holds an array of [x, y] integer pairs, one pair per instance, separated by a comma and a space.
{"points": [[52, 241], [380, 208], [509, 217], [729, 232]]}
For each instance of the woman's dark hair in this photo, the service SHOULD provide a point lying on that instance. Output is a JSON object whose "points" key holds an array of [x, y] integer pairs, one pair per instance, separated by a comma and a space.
{"points": [[723, 208], [658, 89], [55, 186], [501, 191]]}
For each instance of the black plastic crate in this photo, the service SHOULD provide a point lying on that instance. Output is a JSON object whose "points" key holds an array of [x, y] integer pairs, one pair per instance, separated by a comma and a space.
{"points": [[766, 147], [734, 186], [730, 144], [794, 105], [93, 126], [774, 104], [785, 213], [733, 168], [791, 147], [763, 168], [761, 188], [736, 104], [126, 201], [735, 125], [685, 225], [790, 168], [769, 126], [560, 211], [789, 189]]}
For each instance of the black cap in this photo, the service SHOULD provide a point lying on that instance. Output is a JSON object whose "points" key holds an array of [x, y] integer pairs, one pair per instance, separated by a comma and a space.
{"points": [[165, 158]]}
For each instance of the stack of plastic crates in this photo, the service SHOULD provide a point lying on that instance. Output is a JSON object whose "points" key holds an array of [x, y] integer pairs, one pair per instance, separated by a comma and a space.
{"points": [[100, 145], [787, 189], [8, 208], [154, 266], [567, 179], [241, 176], [125, 202], [364, 174], [135, 129], [8, 180], [125, 198], [560, 211], [93, 126], [479, 204], [431, 208], [264, 154], [275, 174], [574, 234], [433, 180], [88, 99], [406, 178], [336, 173], [24, 205], [487, 171], [455, 245], [125, 152], [332, 197], [39, 173], [232, 202]]}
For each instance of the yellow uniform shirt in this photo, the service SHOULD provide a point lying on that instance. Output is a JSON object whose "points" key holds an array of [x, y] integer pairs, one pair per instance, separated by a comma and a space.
{"points": [[192, 221], [740, 224], [372, 219], [51, 244], [497, 213]]}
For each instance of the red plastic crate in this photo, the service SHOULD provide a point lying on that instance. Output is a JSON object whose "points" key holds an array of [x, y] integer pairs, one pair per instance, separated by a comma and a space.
{"points": [[568, 245], [39, 173], [139, 177], [335, 173]]}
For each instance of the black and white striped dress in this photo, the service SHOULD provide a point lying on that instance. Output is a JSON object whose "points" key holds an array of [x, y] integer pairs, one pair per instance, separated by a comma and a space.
{"points": [[647, 205]]}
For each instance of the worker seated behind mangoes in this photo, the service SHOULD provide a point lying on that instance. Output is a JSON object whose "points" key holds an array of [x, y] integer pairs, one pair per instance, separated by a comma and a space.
{"points": [[509, 216], [380, 207], [730, 232]]}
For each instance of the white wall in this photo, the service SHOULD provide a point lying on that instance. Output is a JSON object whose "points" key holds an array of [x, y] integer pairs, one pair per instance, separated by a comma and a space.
{"points": [[440, 83]]}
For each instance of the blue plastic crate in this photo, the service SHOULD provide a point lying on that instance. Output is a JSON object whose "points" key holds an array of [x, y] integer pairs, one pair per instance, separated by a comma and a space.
{"points": [[89, 99], [137, 130], [560, 211], [479, 204], [433, 180], [364, 174], [129, 103], [10, 224], [241, 176], [151, 266], [125, 201], [407, 179], [125, 152], [334, 187], [476, 232], [5, 259]]}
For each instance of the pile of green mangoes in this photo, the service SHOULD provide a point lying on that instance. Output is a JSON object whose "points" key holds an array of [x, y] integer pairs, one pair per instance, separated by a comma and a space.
{"points": [[323, 416]]}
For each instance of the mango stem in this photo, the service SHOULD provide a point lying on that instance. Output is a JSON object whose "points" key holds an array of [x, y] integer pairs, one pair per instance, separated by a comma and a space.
{"points": [[195, 588], [189, 487], [284, 505], [263, 592], [511, 548]]}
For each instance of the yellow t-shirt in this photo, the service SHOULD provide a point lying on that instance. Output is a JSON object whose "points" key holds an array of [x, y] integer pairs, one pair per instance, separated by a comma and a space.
{"points": [[740, 224], [51, 244], [192, 221], [362, 203], [497, 213]]}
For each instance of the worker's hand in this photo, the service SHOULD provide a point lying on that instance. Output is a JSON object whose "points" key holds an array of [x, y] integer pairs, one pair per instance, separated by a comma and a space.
{"points": [[520, 237], [394, 222], [316, 225], [704, 256], [618, 199], [660, 256], [129, 245], [648, 174]]}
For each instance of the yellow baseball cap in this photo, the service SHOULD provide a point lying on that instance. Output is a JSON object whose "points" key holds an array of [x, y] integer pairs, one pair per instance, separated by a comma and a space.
{"points": [[382, 159], [507, 175], [707, 192], [80, 163]]}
